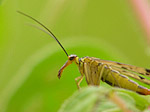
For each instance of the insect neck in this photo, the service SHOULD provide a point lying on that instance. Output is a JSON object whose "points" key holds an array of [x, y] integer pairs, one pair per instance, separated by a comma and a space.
{"points": [[80, 63], [77, 60]]}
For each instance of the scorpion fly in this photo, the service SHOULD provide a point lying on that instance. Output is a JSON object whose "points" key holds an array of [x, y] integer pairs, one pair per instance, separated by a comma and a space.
{"points": [[94, 69]]}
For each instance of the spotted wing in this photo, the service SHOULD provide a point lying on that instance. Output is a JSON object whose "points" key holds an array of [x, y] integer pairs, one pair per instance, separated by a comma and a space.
{"points": [[128, 70], [139, 70], [132, 75]]}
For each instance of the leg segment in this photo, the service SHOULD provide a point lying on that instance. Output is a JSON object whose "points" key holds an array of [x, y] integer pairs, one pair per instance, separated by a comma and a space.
{"points": [[101, 70], [80, 78]]}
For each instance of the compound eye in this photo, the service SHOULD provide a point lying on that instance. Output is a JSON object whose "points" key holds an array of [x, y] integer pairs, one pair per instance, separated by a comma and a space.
{"points": [[71, 58]]}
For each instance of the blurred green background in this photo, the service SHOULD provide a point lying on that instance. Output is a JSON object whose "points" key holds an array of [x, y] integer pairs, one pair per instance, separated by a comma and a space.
{"points": [[30, 59]]}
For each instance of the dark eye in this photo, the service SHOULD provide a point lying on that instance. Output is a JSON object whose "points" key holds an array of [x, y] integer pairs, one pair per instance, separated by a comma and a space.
{"points": [[71, 58]]}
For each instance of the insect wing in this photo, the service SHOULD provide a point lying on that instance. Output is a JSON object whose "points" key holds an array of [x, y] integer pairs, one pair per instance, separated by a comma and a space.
{"points": [[140, 70], [132, 75], [127, 70]]}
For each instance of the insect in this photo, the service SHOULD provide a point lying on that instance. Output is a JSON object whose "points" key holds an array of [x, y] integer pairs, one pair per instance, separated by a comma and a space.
{"points": [[94, 69]]}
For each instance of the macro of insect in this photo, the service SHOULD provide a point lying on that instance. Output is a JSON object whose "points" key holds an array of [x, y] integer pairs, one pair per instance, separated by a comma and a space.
{"points": [[94, 70]]}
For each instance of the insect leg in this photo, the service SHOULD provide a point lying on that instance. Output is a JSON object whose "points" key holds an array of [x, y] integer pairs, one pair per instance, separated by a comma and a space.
{"points": [[87, 73], [80, 78], [101, 70]]}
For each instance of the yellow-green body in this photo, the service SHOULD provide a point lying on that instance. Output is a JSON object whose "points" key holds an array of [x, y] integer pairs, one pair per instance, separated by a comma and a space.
{"points": [[95, 70]]}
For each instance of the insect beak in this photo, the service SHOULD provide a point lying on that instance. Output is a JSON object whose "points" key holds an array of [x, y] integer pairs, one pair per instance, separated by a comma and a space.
{"points": [[63, 67]]}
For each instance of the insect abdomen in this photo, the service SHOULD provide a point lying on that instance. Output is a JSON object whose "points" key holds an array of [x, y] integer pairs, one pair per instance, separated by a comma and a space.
{"points": [[142, 90], [114, 78]]}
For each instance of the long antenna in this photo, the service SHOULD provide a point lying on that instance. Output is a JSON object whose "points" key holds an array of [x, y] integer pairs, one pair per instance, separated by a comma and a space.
{"points": [[49, 32]]}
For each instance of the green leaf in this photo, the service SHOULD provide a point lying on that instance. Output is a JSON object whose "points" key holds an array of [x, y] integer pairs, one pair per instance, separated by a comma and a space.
{"points": [[102, 99]]}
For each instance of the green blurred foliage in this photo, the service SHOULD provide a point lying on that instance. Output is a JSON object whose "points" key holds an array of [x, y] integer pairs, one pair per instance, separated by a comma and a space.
{"points": [[94, 99], [30, 59]]}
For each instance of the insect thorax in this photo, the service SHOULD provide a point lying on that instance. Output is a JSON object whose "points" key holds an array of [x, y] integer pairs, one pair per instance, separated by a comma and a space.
{"points": [[89, 67]]}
